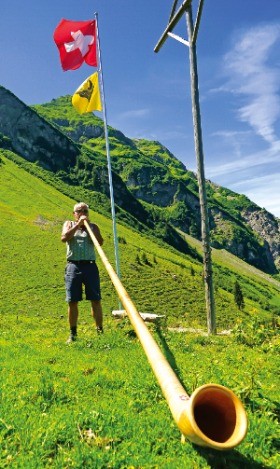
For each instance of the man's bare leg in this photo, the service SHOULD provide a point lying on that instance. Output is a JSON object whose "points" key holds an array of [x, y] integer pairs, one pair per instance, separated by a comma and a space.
{"points": [[73, 314], [97, 314]]}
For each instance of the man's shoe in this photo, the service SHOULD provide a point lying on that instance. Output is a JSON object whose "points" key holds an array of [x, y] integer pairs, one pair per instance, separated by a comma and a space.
{"points": [[72, 338]]}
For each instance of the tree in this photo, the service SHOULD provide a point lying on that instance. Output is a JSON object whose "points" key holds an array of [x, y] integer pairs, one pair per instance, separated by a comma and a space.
{"points": [[238, 296]]}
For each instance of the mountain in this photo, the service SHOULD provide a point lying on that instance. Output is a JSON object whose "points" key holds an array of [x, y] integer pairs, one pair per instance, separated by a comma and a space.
{"points": [[32, 137], [153, 190]]}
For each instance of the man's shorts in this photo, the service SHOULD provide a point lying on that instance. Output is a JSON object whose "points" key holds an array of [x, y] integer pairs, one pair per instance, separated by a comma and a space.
{"points": [[79, 274]]}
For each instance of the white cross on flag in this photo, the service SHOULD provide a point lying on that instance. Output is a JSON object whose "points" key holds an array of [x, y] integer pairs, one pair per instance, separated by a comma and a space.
{"points": [[76, 42]]}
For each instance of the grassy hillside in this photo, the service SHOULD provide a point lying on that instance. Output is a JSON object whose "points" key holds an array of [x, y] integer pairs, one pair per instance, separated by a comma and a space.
{"points": [[166, 192], [97, 403]]}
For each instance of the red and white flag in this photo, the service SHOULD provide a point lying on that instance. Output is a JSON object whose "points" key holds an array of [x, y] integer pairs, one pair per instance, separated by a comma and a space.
{"points": [[76, 42]]}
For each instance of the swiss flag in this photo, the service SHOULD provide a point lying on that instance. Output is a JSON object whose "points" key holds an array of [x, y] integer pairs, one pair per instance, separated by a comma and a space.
{"points": [[76, 42]]}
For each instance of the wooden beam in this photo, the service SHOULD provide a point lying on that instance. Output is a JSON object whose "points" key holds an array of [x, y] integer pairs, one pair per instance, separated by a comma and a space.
{"points": [[147, 317], [179, 38], [174, 6], [197, 22], [185, 5]]}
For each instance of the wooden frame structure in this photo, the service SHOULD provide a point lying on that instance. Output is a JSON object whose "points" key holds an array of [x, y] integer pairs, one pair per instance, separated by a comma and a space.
{"points": [[186, 8]]}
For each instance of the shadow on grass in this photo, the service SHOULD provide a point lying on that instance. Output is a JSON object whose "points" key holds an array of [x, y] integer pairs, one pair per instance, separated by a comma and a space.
{"points": [[168, 354], [228, 459], [215, 459]]}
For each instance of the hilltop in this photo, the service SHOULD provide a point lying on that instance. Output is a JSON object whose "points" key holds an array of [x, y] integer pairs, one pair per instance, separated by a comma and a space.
{"points": [[153, 190], [169, 191]]}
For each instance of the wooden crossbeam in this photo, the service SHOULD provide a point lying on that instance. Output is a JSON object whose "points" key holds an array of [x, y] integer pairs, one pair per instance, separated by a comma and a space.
{"points": [[147, 317], [178, 15]]}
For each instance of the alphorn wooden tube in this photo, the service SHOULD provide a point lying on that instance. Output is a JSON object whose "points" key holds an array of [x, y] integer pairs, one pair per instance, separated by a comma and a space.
{"points": [[213, 415]]}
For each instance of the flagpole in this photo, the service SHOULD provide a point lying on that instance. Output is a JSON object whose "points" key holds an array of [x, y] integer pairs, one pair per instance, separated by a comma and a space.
{"points": [[100, 74]]}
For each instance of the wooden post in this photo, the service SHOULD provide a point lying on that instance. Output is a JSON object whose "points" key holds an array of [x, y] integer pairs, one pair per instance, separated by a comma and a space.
{"points": [[186, 7], [205, 233]]}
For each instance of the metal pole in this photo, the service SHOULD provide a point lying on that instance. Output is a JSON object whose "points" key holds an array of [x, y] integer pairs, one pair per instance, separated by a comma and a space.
{"points": [[205, 233], [100, 74]]}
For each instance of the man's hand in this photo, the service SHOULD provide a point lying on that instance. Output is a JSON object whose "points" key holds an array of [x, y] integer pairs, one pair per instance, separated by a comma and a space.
{"points": [[81, 220], [69, 230]]}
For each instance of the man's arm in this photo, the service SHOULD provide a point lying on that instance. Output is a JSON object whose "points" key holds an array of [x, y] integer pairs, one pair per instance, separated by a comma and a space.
{"points": [[68, 231], [97, 234]]}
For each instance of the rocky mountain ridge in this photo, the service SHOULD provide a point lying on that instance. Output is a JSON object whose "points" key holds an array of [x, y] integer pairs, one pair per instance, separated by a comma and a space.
{"points": [[149, 182], [32, 137]]}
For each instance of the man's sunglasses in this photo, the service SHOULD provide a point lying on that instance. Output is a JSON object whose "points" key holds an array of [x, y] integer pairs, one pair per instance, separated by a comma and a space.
{"points": [[82, 210]]}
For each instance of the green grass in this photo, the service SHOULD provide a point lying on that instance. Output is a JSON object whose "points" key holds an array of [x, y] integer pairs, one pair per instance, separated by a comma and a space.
{"points": [[96, 403]]}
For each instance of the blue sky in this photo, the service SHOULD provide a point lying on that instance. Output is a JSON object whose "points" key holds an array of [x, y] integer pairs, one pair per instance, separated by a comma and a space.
{"points": [[148, 94]]}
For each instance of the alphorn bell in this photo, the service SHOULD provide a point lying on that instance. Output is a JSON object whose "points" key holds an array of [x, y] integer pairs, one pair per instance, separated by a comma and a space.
{"points": [[212, 416]]}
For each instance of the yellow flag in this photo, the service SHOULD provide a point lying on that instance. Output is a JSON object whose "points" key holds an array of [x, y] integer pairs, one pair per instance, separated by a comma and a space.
{"points": [[87, 97]]}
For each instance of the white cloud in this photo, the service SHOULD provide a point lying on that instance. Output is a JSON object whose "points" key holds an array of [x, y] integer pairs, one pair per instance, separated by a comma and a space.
{"points": [[134, 113], [234, 138], [263, 190], [251, 158], [173, 134], [265, 157], [256, 175], [252, 78], [261, 114]]}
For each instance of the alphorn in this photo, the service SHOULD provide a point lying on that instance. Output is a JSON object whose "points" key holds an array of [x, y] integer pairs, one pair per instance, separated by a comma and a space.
{"points": [[213, 415]]}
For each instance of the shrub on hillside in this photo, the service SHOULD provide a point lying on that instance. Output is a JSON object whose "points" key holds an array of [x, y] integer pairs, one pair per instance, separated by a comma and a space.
{"points": [[255, 332]]}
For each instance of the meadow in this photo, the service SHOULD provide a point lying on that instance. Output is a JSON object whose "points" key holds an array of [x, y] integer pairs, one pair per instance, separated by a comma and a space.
{"points": [[96, 403]]}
